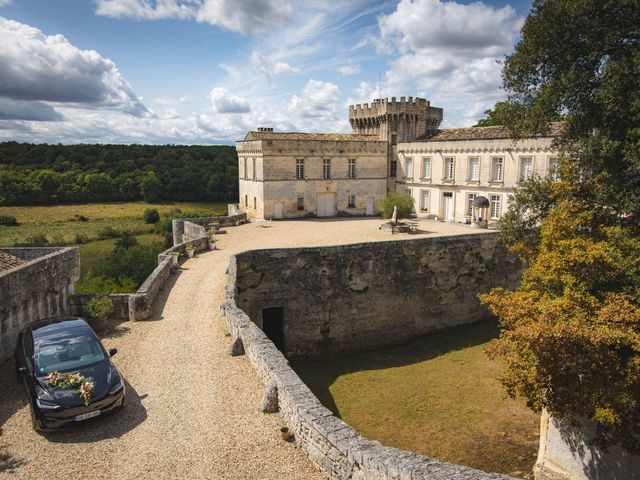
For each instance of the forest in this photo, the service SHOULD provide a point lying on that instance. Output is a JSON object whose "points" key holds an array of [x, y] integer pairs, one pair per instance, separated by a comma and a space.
{"points": [[35, 174]]}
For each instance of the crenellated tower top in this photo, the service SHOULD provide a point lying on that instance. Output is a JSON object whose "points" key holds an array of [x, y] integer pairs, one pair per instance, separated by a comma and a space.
{"points": [[395, 121]]}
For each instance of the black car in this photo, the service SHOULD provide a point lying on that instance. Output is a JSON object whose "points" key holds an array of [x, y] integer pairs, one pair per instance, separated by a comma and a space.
{"points": [[66, 346]]}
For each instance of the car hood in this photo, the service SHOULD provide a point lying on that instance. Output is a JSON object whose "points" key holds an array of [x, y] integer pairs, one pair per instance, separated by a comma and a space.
{"points": [[102, 374]]}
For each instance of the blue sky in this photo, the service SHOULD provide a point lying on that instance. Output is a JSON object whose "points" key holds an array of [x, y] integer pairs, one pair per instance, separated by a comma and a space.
{"points": [[206, 71]]}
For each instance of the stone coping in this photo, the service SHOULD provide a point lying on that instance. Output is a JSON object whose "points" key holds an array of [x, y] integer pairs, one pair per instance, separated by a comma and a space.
{"points": [[138, 305], [335, 447]]}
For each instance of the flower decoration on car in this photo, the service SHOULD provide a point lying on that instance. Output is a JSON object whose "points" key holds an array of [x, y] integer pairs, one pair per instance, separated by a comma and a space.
{"points": [[71, 381]]}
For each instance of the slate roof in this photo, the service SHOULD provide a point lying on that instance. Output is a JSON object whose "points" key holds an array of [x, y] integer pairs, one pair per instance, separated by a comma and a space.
{"points": [[353, 137], [8, 262], [483, 133]]}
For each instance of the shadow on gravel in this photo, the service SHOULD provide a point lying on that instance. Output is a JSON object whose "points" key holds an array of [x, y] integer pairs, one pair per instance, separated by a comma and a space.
{"points": [[8, 463], [162, 296], [112, 425], [11, 397]]}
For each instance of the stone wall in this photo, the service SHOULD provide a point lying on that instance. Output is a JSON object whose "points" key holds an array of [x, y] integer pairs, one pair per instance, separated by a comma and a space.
{"points": [[120, 303], [179, 227], [338, 450], [566, 453], [139, 305], [342, 299], [38, 289], [141, 302]]}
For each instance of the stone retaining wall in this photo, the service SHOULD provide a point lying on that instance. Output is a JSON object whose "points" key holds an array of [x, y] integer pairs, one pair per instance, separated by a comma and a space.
{"points": [[179, 229], [567, 453], [139, 305], [38, 289], [338, 450], [120, 304], [343, 299]]}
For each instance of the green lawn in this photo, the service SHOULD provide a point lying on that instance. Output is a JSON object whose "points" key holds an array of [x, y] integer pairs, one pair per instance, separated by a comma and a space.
{"points": [[437, 396], [61, 224]]}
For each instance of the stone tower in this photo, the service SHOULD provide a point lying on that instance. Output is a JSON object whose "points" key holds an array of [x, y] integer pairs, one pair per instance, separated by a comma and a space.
{"points": [[393, 121]]}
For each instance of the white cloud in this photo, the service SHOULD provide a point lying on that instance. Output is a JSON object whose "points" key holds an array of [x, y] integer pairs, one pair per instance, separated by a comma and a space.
{"points": [[4, 3], [431, 24], [283, 68], [318, 100], [365, 93], [244, 16], [349, 69], [28, 110], [224, 102], [260, 64], [39, 67], [241, 16], [146, 9], [447, 51]]}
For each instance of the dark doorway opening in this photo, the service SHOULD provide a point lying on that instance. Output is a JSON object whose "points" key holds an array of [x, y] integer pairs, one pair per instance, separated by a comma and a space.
{"points": [[273, 326]]}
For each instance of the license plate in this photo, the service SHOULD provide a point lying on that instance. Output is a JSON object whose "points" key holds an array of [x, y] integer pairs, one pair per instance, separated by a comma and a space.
{"points": [[84, 416]]}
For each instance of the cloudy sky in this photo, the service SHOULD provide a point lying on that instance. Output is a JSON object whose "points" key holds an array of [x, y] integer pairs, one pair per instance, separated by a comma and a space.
{"points": [[206, 71]]}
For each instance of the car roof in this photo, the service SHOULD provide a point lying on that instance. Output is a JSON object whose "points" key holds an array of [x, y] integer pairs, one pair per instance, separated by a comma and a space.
{"points": [[49, 327]]}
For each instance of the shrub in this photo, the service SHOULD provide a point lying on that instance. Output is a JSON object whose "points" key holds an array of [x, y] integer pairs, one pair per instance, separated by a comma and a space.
{"points": [[404, 202], [39, 240], [108, 232], [126, 241], [99, 307], [8, 221], [58, 241], [134, 263], [90, 284], [151, 215], [81, 238]]}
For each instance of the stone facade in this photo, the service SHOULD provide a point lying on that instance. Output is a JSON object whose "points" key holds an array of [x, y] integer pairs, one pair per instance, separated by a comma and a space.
{"points": [[338, 450], [396, 144], [338, 300], [444, 173], [300, 175], [38, 288]]}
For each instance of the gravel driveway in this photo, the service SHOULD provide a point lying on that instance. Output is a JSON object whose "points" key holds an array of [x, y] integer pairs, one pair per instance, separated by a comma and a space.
{"points": [[192, 410]]}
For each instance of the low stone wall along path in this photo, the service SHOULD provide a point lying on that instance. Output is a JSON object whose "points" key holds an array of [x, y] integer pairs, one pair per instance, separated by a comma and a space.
{"points": [[192, 410]]}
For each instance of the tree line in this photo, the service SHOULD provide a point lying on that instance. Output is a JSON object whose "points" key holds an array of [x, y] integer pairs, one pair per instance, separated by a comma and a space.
{"points": [[46, 174]]}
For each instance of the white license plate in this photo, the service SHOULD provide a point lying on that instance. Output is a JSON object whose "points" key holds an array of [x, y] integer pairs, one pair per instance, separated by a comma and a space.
{"points": [[95, 413]]}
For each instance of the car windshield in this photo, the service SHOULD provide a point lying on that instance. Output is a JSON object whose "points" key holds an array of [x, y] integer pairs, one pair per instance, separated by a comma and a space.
{"points": [[67, 354]]}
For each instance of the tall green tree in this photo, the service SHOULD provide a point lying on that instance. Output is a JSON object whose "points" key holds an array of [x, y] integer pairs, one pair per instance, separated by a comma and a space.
{"points": [[500, 114], [151, 187], [571, 332]]}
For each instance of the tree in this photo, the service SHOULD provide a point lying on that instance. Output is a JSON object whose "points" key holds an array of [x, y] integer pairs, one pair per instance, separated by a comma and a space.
{"points": [[404, 202], [500, 115], [570, 334], [151, 215], [150, 187]]}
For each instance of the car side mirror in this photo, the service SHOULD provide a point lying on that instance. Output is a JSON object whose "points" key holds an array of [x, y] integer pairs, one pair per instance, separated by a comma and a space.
{"points": [[112, 351], [22, 370]]}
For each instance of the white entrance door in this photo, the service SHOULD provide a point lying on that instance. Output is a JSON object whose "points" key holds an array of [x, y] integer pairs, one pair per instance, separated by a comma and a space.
{"points": [[448, 206], [278, 210], [326, 204], [369, 208]]}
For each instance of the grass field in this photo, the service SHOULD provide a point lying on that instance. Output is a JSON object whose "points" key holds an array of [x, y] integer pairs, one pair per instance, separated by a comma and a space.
{"points": [[60, 221], [61, 224], [437, 396]]}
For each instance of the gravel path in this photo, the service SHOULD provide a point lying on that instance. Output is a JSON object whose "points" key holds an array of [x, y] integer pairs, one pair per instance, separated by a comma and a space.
{"points": [[192, 410]]}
